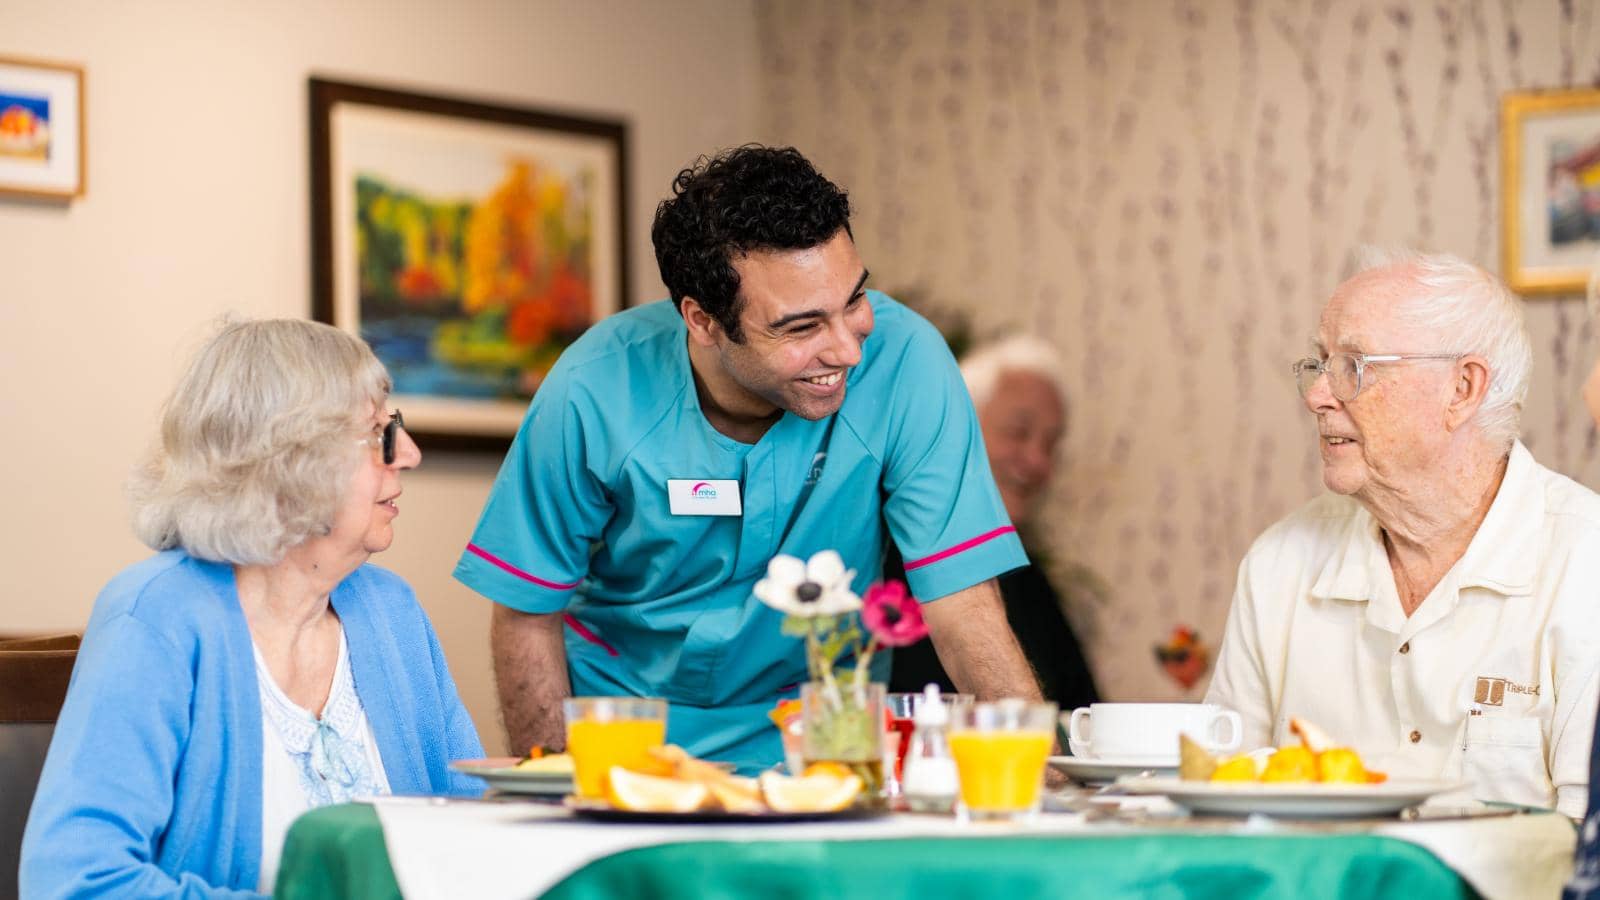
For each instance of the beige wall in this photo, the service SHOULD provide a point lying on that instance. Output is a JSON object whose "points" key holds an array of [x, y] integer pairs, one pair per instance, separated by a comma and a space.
{"points": [[1164, 190], [197, 206], [1167, 191]]}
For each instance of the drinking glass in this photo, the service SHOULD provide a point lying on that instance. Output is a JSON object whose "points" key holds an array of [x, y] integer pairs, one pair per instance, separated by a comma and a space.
{"points": [[1000, 750], [611, 731], [842, 723]]}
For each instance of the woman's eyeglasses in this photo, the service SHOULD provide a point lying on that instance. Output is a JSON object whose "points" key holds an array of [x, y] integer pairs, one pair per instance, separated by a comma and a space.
{"points": [[389, 438]]}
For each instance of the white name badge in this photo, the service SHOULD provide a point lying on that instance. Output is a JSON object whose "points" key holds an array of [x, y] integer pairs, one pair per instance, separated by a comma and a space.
{"points": [[703, 497]]}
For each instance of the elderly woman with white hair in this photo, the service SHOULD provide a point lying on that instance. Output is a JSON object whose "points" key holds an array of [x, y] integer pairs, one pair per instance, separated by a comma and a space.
{"points": [[256, 666], [1436, 610], [1018, 390]]}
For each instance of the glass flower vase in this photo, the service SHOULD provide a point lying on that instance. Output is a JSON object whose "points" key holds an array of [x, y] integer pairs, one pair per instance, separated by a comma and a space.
{"points": [[843, 723]]}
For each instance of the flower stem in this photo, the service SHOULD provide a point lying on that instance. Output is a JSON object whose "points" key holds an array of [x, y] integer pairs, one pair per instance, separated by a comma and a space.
{"points": [[864, 664], [819, 668], [812, 650]]}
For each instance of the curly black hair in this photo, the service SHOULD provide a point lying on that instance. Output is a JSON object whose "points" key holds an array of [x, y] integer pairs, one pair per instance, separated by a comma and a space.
{"points": [[744, 199]]}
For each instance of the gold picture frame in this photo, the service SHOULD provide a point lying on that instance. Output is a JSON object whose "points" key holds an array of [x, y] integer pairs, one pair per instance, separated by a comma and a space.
{"points": [[42, 144], [1549, 189]]}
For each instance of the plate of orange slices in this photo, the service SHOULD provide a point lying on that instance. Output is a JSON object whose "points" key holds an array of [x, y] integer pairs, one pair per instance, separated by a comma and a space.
{"points": [[1314, 779], [694, 790]]}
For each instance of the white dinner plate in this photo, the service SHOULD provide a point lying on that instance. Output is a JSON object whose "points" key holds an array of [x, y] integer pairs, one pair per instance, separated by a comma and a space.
{"points": [[1092, 770], [504, 776], [1301, 801]]}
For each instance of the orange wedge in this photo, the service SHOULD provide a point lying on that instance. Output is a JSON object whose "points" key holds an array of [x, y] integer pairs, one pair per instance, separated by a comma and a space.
{"points": [[1341, 765], [662, 761], [809, 793], [553, 763], [837, 769], [1235, 768], [735, 794], [1294, 764], [783, 712], [1313, 738], [649, 793]]}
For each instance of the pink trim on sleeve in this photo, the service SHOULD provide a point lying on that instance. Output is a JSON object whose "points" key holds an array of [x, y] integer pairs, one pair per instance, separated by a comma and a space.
{"points": [[475, 550], [584, 632], [962, 547]]}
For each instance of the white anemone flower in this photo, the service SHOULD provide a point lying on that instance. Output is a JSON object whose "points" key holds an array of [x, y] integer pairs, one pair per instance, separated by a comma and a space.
{"points": [[818, 587]]}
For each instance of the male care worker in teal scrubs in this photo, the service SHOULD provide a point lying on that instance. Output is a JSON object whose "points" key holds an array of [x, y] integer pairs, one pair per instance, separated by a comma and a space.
{"points": [[774, 405]]}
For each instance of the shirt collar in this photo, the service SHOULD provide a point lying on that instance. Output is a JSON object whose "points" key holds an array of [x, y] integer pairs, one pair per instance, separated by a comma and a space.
{"points": [[1502, 557]]}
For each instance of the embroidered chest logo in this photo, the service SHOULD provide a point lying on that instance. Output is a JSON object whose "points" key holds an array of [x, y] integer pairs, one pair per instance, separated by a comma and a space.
{"points": [[1492, 691], [815, 473]]}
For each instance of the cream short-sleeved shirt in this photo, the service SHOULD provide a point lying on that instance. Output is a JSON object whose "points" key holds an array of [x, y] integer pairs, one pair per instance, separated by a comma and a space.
{"points": [[1491, 680]]}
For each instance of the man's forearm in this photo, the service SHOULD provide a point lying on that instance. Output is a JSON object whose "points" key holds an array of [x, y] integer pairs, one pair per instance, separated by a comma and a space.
{"points": [[530, 675], [976, 647]]}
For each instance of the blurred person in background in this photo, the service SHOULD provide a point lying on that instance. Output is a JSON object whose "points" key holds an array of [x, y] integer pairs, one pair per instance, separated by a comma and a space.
{"points": [[1018, 388], [256, 666], [1435, 610]]}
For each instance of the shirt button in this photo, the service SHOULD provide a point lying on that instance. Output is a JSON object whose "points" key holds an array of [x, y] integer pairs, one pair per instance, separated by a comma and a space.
{"points": [[1406, 647], [1415, 736]]}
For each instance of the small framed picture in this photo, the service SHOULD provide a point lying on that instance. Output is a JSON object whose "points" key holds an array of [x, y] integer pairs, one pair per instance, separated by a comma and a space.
{"points": [[469, 243], [41, 128], [1550, 189]]}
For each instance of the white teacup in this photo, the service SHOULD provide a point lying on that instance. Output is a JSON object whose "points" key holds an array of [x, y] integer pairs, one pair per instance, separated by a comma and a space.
{"points": [[1149, 730]]}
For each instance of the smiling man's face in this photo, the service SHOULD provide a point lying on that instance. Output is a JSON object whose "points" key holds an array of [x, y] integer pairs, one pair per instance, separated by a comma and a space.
{"points": [[804, 316], [1390, 437]]}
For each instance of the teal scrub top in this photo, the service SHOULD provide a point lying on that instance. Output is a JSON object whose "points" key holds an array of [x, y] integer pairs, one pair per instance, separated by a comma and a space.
{"points": [[661, 605]]}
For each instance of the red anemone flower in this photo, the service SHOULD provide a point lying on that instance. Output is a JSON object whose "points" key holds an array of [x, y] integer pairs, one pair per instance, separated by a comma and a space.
{"points": [[892, 615]]}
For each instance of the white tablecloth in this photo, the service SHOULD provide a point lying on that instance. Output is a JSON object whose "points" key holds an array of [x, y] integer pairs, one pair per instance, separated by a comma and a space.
{"points": [[448, 849]]}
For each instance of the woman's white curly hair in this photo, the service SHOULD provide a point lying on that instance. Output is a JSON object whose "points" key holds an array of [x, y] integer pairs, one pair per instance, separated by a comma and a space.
{"points": [[258, 441]]}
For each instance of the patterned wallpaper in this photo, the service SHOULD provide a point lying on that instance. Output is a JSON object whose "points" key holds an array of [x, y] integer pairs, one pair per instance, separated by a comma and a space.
{"points": [[1168, 191]]}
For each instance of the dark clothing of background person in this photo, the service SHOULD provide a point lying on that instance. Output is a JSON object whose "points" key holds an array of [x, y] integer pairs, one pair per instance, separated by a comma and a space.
{"points": [[1034, 611], [1585, 883]]}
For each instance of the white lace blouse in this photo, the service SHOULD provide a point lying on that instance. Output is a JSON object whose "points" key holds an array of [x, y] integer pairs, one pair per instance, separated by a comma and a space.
{"points": [[309, 762]]}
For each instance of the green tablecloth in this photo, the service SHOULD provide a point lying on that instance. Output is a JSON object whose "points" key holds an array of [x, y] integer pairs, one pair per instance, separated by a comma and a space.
{"points": [[338, 851]]}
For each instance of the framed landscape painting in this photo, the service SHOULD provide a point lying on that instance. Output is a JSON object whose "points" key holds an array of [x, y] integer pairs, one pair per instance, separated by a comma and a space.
{"points": [[1550, 189], [41, 129], [468, 243]]}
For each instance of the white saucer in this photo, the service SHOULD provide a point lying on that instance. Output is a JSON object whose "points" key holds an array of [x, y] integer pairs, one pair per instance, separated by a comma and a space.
{"points": [[1095, 770]]}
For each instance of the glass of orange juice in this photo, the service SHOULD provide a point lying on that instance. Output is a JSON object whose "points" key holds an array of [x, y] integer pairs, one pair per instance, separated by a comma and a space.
{"points": [[1000, 750], [612, 731]]}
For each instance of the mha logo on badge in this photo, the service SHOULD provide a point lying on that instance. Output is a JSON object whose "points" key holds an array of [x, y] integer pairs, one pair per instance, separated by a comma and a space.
{"points": [[703, 497]]}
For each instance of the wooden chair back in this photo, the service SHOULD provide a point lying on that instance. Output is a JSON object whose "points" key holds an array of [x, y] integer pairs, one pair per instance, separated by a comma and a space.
{"points": [[34, 673]]}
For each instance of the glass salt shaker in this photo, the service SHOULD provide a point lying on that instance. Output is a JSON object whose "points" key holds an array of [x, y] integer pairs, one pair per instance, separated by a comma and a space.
{"points": [[930, 783]]}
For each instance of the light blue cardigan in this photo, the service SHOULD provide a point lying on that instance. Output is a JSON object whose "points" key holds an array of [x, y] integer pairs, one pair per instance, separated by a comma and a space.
{"points": [[152, 787]]}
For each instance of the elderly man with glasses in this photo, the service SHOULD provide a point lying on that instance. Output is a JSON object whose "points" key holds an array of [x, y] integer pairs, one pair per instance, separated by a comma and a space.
{"points": [[1440, 609]]}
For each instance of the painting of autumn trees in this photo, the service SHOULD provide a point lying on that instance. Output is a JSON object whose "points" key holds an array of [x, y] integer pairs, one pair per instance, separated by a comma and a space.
{"points": [[476, 296]]}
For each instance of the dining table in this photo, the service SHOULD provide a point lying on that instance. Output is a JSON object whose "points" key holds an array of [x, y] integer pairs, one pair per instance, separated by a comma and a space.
{"points": [[518, 847]]}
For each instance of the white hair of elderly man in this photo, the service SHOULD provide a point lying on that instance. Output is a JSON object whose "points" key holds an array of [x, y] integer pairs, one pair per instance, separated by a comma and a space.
{"points": [[1467, 310], [982, 366]]}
